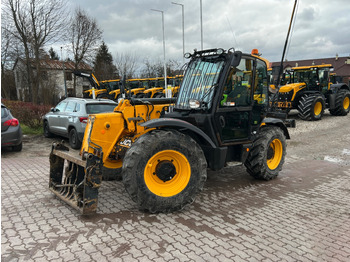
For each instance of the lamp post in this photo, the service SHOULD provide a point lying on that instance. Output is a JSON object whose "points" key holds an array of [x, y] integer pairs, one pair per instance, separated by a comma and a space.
{"points": [[165, 75], [64, 77], [183, 31], [201, 24]]}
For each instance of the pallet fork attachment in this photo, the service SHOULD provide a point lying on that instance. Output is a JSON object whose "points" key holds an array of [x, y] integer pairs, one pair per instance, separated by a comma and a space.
{"points": [[75, 180]]}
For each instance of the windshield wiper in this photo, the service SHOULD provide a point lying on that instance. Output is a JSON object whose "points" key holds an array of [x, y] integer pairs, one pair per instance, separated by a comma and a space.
{"points": [[207, 92]]}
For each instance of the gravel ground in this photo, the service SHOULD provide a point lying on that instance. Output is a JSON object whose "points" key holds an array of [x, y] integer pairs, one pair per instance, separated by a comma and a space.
{"points": [[327, 139]]}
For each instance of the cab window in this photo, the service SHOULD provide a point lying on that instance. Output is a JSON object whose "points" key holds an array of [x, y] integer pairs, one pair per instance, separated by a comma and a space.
{"points": [[260, 88], [238, 85]]}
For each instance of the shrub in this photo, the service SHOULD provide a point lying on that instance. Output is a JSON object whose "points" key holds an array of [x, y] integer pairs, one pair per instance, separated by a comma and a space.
{"points": [[27, 113]]}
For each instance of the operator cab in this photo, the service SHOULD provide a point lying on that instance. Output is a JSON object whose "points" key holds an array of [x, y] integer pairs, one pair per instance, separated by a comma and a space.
{"points": [[224, 93]]}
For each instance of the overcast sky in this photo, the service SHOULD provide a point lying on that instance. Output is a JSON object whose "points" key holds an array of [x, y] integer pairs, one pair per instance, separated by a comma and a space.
{"points": [[321, 29]]}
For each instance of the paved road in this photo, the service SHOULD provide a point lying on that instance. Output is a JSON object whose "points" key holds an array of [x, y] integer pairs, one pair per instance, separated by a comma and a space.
{"points": [[303, 215]]}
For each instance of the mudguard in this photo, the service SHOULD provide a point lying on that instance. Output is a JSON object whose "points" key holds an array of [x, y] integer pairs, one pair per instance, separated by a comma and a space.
{"points": [[177, 123]]}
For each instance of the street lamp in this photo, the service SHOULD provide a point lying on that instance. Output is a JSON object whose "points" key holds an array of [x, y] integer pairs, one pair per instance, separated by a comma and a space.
{"points": [[201, 24], [183, 31], [165, 77], [64, 76]]}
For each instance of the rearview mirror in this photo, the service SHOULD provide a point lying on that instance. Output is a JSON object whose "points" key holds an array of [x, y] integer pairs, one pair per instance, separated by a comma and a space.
{"points": [[236, 58]]}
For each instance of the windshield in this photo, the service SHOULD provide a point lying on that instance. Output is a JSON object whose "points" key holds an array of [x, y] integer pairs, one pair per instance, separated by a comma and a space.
{"points": [[304, 75], [199, 82]]}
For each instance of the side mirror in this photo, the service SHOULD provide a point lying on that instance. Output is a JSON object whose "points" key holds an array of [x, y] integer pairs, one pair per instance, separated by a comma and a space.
{"points": [[236, 58]]}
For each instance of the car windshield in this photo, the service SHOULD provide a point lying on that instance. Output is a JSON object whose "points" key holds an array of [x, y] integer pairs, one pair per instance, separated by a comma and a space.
{"points": [[199, 82], [99, 108]]}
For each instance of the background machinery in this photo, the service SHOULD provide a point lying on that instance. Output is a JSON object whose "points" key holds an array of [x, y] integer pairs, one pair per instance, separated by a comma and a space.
{"points": [[310, 92], [221, 114]]}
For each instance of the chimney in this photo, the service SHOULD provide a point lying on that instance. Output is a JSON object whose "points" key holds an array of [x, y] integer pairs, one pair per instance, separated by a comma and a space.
{"points": [[336, 57]]}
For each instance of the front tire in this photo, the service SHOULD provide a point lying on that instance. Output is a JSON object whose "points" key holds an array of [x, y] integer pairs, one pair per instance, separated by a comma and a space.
{"points": [[311, 107], [163, 171], [266, 158], [74, 141], [46, 128]]}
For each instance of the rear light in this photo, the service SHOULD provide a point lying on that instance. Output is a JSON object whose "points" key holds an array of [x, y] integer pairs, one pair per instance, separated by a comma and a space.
{"points": [[11, 122], [83, 119]]}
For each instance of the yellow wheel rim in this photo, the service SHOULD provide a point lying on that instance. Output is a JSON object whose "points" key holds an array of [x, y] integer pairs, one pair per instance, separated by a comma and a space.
{"points": [[346, 103], [167, 173], [318, 108], [274, 154]]}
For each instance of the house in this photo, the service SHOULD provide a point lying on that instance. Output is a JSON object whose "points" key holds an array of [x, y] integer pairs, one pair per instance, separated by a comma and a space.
{"points": [[54, 74], [341, 66]]}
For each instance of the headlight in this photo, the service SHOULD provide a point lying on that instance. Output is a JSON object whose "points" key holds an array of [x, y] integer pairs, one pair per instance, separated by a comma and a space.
{"points": [[187, 55], [220, 51], [194, 103]]}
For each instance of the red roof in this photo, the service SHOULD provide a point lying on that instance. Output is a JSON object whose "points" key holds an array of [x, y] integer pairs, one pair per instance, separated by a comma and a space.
{"points": [[50, 64], [58, 65], [341, 64]]}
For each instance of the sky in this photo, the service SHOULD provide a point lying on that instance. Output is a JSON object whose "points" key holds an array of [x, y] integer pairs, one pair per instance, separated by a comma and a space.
{"points": [[321, 28]]}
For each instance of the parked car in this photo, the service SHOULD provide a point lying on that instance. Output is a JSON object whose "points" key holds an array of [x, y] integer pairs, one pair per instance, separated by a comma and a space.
{"points": [[11, 132], [69, 117]]}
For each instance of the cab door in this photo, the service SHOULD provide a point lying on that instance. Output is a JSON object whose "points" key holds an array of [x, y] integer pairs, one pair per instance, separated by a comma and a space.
{"points": [[243, 101]]}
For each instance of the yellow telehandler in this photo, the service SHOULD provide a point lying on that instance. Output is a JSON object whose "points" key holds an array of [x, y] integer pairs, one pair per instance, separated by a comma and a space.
{"points": [[163, 146]]}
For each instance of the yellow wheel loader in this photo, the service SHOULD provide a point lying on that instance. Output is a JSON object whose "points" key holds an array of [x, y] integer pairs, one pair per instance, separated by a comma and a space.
{"points": [[134, 87], [163, 147], [97, 88]]}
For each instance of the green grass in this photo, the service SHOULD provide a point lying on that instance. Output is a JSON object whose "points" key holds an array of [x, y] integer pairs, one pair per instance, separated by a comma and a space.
{"points": [[31, 131]]}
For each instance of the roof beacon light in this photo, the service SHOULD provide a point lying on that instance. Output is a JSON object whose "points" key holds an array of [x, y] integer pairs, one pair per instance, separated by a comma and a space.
{"points": [[255, 52]]}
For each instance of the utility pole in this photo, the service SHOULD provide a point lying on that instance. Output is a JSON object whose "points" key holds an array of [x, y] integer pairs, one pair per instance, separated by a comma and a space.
{"points": [[285, 46]]}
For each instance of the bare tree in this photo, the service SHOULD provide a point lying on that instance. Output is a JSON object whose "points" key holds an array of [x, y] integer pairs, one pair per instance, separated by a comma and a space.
{"points": [[126, 64], [84, 36], [155, 68], [36, 23]]}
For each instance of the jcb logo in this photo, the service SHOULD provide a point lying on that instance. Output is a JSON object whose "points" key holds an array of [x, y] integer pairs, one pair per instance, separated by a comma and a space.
{"points": [[125, 142], [284, 104]]}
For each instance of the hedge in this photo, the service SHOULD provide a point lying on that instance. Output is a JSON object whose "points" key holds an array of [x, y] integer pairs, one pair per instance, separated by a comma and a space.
{"points": [[27, 113]]}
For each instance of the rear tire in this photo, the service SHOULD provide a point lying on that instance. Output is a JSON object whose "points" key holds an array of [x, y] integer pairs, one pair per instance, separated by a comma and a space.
{"points": [[311, 107], [159, 95], [74, 141], [163, 171], [17, 148], [342, 103], [266, 158]]}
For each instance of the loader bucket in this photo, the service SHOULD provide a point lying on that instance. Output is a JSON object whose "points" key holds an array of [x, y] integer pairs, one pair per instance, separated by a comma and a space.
{"points": [[75, 180]]}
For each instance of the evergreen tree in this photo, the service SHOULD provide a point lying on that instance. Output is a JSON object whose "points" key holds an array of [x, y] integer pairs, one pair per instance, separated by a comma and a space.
{"points": [[103, 64], [53, 54]]}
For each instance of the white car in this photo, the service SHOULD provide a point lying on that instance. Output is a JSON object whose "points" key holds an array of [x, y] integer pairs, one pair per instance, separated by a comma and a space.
{"points": [[69, 117]]}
